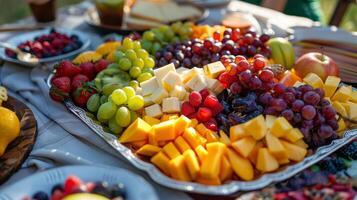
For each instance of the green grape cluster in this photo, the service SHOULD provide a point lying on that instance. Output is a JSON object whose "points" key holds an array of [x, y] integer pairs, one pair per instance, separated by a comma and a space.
{"points": [[157, 38], [116, 107]]}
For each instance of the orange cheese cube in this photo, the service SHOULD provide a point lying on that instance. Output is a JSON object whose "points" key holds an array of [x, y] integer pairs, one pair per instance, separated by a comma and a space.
{"points": [[224, 138], [192, 163], [237, 132], [181, 144], [151, 120], [178, 169], [343, 94], [280, 127], [211, 164], [241, 166], [266, 162], [244, 146], [256, 127], [193, 123], [165, 130], [294, 152], [274, 146], [137, 131], [148, 150], [161, 161], [181, 124], [293, 135], [171, 150], [192, 137], [209, 181], [201, 152], [226, 169]]}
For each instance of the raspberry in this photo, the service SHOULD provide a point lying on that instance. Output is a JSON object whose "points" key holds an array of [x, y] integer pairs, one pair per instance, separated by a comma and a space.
{"points": [[71, 184], [211, 124], [211, 101], [195, 99], [204, 93], [187, 109], [204, 114]]}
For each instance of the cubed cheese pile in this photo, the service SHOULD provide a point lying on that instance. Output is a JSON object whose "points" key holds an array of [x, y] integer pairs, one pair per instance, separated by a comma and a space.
{"points": [[164, 93], [188, 151]]}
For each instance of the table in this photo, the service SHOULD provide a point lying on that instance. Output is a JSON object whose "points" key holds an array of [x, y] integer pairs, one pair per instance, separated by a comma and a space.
{"points": [[75, 146]]}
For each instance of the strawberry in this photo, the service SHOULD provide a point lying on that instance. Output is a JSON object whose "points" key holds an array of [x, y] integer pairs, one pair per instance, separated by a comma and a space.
{"points": [[66, 68], [72, 183], [81, 95], [78, 81], [101, 65], [60, 88], [88, 70]]}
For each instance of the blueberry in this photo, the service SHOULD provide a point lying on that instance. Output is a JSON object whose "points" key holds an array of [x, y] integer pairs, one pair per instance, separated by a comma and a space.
{"points": [[57, 187], [53, 30], [101, 188], [118, 190], [40, 196], [68, 48], [74, 37], [79, 43]]}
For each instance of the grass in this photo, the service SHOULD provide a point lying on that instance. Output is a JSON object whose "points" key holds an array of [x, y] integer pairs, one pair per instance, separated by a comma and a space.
{"points": [[19, 9]]}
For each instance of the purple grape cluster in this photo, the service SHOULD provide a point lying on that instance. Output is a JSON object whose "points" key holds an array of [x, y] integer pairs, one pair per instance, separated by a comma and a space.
{"points": [[198, 52], [305, 108]]}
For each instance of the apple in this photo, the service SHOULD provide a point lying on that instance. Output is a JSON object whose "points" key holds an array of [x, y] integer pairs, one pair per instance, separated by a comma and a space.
{"points": [[317, 63]]}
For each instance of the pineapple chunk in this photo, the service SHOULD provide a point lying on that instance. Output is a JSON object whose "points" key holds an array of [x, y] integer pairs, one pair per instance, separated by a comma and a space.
{"points": [[274, 146], [137, 131], [294, 152], [280, 127], [256, 127], [253, 156], [226, 169], [266, 162], [212, 137], [224, 138], [244, 146], [354, 97], [237, 132], [314, 80], [270, 119], [301, 143], [341, 127], [293, 135], [343, 94], [339, 108], [148, 150], [331, 85], [161, 161], [241, 166]]}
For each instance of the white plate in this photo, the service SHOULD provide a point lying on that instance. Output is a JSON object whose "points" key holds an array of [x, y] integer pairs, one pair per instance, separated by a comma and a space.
{"points": [[136, 187], [16, 40]]}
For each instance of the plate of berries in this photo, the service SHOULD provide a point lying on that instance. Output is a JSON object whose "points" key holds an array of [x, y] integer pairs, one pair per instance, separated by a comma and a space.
{"points": [[81, 182], [48, 45]]}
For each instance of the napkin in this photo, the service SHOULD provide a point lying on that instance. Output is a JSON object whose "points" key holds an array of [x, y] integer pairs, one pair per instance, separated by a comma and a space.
{"points": [[62, 138]]}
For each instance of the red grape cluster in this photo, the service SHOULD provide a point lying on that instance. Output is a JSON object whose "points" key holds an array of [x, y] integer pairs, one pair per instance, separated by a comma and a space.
{"points": [[197, 52], [305, 108]]}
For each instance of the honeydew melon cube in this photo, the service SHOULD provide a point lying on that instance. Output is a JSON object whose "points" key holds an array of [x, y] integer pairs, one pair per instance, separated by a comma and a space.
{"points": [[197, 83], [331, 85], [179, 92], [148, 101], [188, 75], [137, 131]]}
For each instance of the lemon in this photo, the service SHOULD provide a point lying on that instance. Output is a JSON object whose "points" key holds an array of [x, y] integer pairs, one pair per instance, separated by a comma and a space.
{"points": [[87, 56], [85, 196], [9, 128], [108, 47]]}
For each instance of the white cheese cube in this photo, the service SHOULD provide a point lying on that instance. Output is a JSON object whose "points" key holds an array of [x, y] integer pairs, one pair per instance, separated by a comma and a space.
{"points": [[182, 70], [162, 71], [158, 95], [170, 80], [148, 101], [197, 83], [218, 88], [149, 86], [213, 70], [139, 91], [153, 111], [188, 75], [179, 92], [171, 105]]}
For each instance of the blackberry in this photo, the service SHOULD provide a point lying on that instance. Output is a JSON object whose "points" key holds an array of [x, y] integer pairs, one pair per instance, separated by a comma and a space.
{"points": [[339, 163], [40, 196], [328, 165], [349, 152]]}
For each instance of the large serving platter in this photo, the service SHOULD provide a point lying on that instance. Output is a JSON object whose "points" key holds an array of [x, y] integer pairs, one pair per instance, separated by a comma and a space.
{"points": [[230, 187]]}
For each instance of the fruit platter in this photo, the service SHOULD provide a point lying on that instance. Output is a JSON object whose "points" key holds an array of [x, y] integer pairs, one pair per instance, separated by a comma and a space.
{"points": [[211, 109], [48, 45]]}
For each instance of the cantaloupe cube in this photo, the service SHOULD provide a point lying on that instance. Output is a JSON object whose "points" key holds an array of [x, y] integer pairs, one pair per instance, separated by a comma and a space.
{"points": [[178, 169], [211, 137], [209, 181], [138, 144], [301, 143], [341, 127], [212, 163], [152, 139], [331, 85], [170, 150], [293, 135], [194, 123], [192, 137], [244, 146], [161, 161], [202, 129], [165, 130], [280, 127], [253, 156], [294, 152], [201, 152], [314, 80], [181, 124], [192, 163], [269, 120], [151, 120], [224, 138], [148, 150], [339, 108], [237, 132], [137, 131], [226, 169], [256, 127], [274, 146], [181, 144], [343, 94], [241, 166], [266, 162]]}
